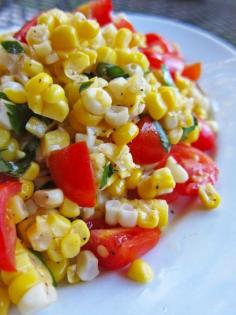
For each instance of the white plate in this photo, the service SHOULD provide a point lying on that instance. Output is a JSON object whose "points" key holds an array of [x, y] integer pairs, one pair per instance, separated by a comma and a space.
{"points": [[195, 262]]}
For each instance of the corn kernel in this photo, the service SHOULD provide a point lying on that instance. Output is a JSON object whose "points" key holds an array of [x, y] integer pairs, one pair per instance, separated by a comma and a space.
{"points": [[10, 153], [57, 111], [155, 105], [182, 83], [5, 137], [53, 94], [39, 234], [64, 37], [117, 116], [35, 103], [48, 19], [83, 117], [54, 251], [163, 213], [78, 127], [59, 225], [148, 220], [76, 64], [4, 301], [32, 67], [117, 189], [17, 209], [54, 140], [58, 269], [208, 196], [133, 180], [168, 95], [72, 92], [36, 127], [92, 54], [70, 245], [175, 135], [37, 34], [140, 271], [125, 133], [72, 276], [22, 228], [27, 189], [87, 29], [38, 83], [123, 38], [193, 135], [96, 101], [80, 227], [32, 172], [15, 92], [69, 209], [44, 49], [106, 54]]}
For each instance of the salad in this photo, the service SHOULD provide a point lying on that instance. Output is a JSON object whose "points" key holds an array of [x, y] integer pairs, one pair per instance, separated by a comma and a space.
{"points": [[101, 128]]}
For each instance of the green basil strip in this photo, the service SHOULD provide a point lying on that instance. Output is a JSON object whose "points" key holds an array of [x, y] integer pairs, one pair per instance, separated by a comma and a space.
{"points": [[187, 131], [108, 71], [85, 85], [12, 47], [108, 171], [167, 76], [18, 116], [3, 96], [163, 136]]}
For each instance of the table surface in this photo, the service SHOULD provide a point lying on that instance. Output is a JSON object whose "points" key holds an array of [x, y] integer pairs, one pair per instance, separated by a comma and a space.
{"points": [[216, 16]]}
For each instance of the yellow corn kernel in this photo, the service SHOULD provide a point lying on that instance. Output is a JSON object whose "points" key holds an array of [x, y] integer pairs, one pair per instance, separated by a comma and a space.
{"points": [[80, 227], [59, 225], [32, 172], [117, 189], [54, 140], [129, 99], [22, 227], [70, 245], [200, 112], [83, 117], [32, 67], [175, 135], [15, 92], [27, 189], [35, 103], [58, 269], [38, 84], [75, 124], [36, 127], [64, 37], [5, 137], [208, 196], [72, 92], [76, 64], [72, 276], [92, 54], [69, 209], [4, 301], [155, 105], [96, 101], [47, 19], [140, 271], [10, 153], [123, 38], [193, 135], [53, 94], [148, 220], [182, 83], [106, 54], [17, 209], [22, 284], [57, 111], [133, 180], [44, 50], [125, 133], [39, 234], [87, 29], [126, 57], [168, 95], [162, 207], [54, 251]]}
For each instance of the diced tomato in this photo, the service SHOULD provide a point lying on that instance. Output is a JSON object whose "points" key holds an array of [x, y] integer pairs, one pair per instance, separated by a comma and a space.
{"points": [[123, 245], [120, 23], [8, 188], [146, 148], [96, 224], [207, 138], [200, 167], [153, 39], [101, 11], [193, 71], [21, 34], [72, 171]]}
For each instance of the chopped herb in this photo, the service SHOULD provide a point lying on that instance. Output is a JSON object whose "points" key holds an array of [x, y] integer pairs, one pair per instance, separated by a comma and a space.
{"points": [[167, 76], [12, 47], [18, 116], [108, 171], [3, 96], [163, 137], [187, 131], [17, 169], [85, 85], [108, 71]]}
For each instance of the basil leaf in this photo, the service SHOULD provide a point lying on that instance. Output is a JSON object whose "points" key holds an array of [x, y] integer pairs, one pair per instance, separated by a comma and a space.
{"points": [[108, 71], [167, 76], [85, 85], [3, 96], [163, 136], [187, 131], [18, 116], [12, 47], [17, 169], [108, 171]]}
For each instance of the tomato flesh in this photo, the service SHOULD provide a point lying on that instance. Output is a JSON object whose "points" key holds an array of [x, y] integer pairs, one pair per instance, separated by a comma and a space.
{"points": [[124, 23], [123, 245], [21, 34], [146, 148], [101, 11], [154, 39], [207, 138], [193, 71], [8, 189], [72, 171]]}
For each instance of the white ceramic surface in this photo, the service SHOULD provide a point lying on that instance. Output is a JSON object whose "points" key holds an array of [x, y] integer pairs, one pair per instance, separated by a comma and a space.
{"points": [[195, 262]]}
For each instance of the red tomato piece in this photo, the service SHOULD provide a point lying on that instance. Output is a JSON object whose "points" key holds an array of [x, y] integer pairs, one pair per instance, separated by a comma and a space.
{"points": [[153, 39], [200, 167], [21, 34], [193, 71], [96, 224], [146, 148], [8, 189], [72, 171], [101, 11], [207, 138], [120, 23], [123, 245]]}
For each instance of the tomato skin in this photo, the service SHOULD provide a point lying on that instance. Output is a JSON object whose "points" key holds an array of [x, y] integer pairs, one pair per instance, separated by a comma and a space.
{"points": [[193, 71], [207, 138], [101, 11], [120, 23], [72, 171], [146, 148], [123, 245], [21, 34], [154, 39], [8, 189]]}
